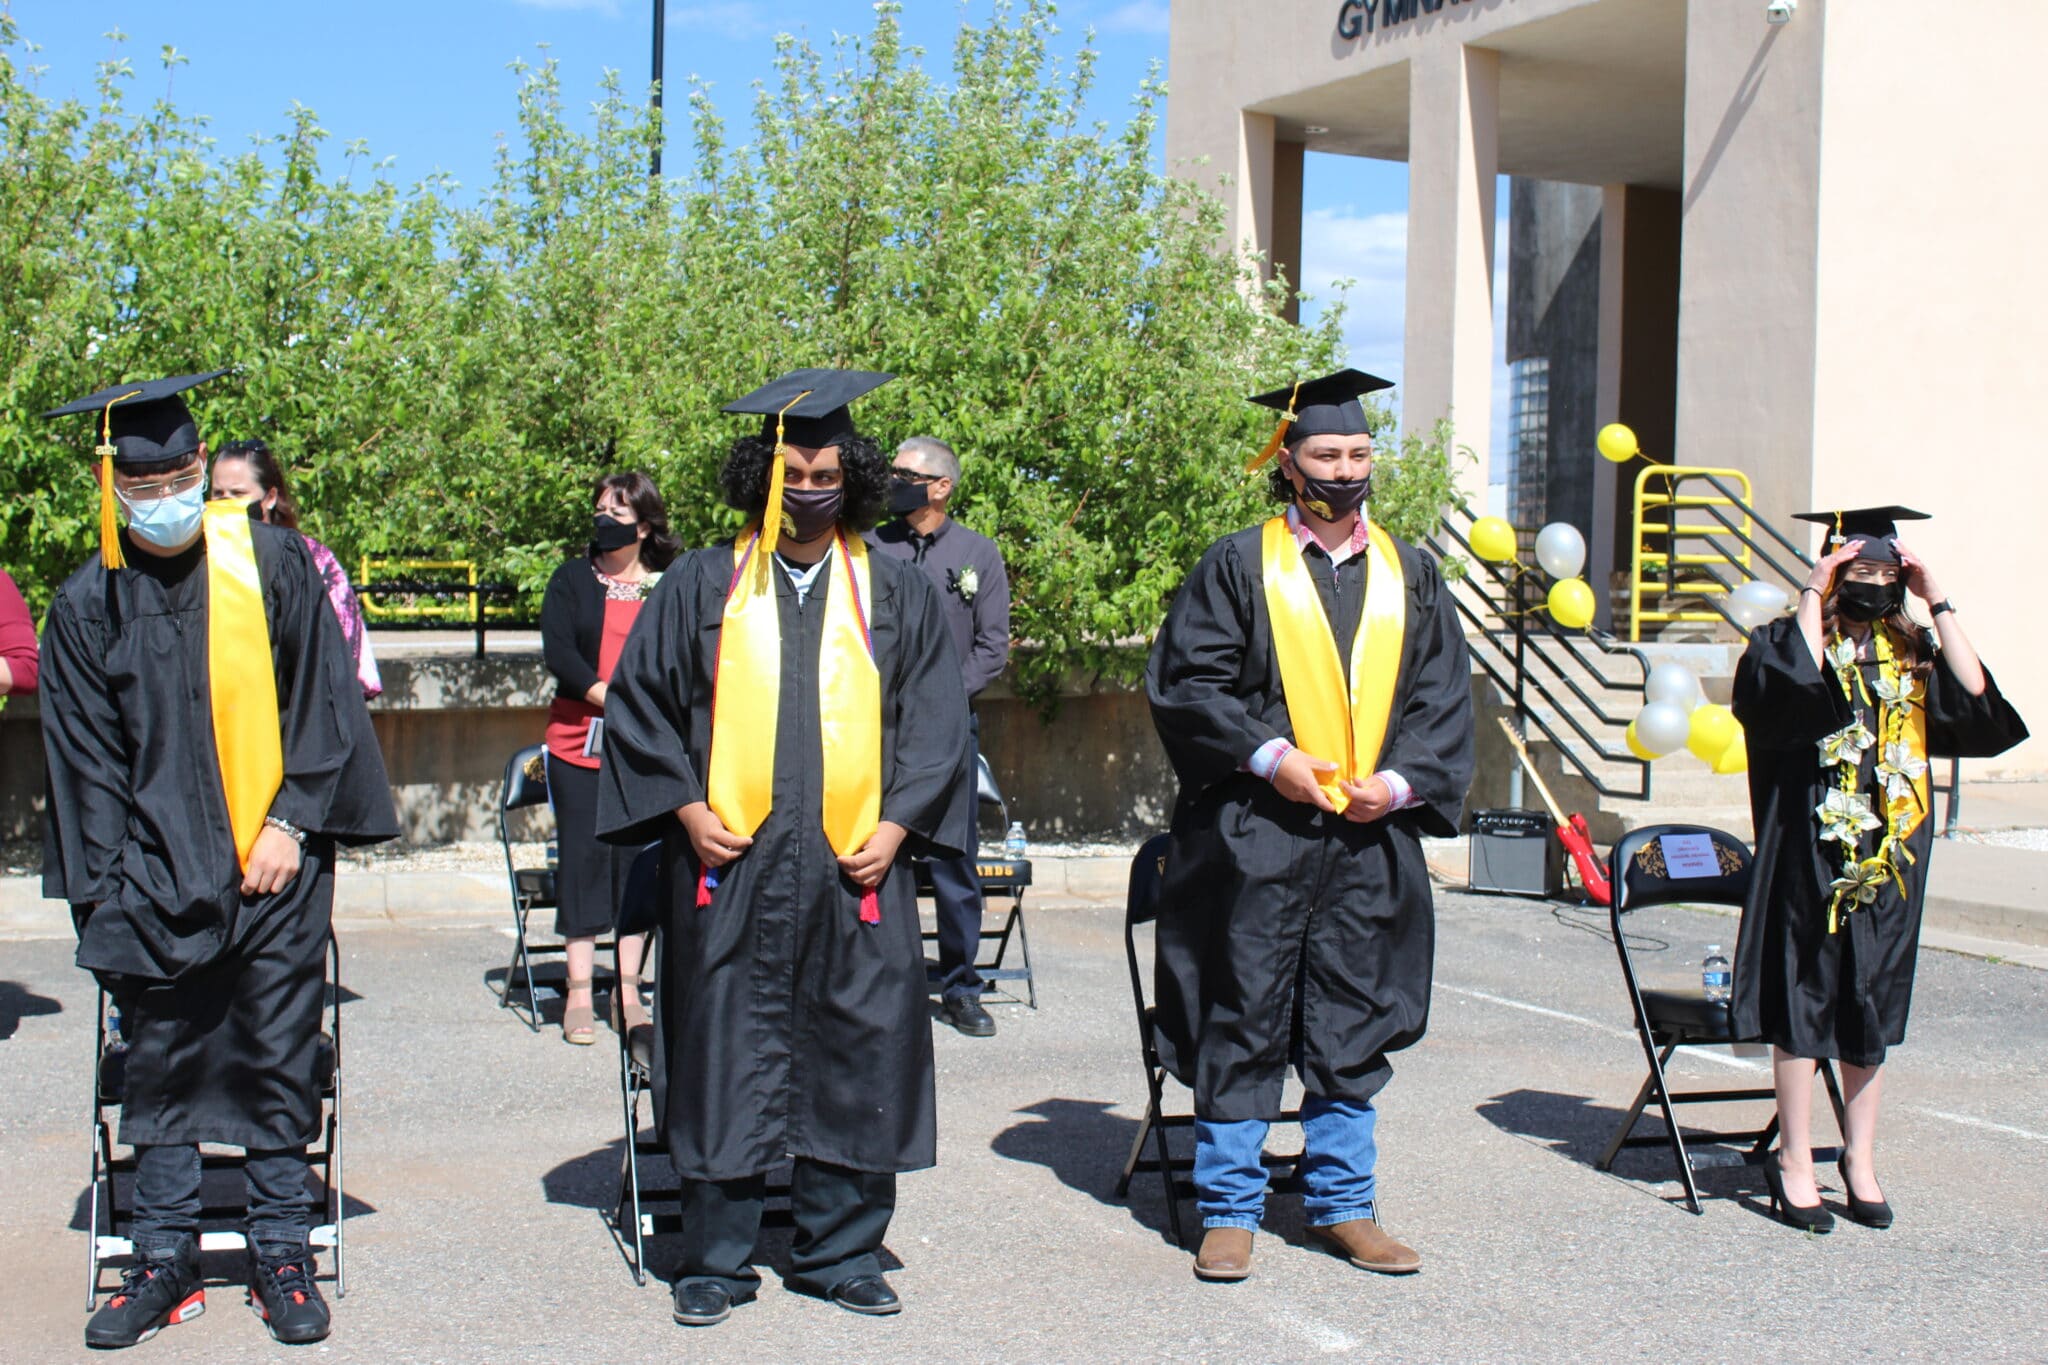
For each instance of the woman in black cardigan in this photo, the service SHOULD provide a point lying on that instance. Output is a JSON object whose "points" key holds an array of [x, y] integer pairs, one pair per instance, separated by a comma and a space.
{"points": [[588, 611]]}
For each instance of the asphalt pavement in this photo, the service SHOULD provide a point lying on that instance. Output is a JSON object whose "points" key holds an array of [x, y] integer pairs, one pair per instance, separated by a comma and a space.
{"points": [[481, 1155]]}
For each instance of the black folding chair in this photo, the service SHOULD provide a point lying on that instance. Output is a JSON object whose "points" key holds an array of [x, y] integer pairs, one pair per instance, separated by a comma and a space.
{"points": [[1689, 865], [1176, 1173], [999, 877], [111, 1195], [533, 888]]}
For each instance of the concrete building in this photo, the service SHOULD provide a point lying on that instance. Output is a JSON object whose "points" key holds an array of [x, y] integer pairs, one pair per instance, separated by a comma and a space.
{"points": [[1812, 240]]}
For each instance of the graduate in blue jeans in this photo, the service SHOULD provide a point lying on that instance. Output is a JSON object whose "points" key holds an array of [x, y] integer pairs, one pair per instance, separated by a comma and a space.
{"points": [[1312, 689]]}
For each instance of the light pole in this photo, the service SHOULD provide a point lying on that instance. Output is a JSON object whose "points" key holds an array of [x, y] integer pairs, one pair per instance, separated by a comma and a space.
{"points": [[660, 38]]}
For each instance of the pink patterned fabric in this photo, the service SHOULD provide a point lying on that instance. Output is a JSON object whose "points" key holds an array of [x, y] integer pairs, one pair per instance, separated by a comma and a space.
{"points": [[341, 595]]}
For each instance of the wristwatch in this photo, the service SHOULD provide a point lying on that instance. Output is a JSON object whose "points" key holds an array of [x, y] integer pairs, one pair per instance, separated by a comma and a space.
{"points": [[1938, 608], [286, 827]]}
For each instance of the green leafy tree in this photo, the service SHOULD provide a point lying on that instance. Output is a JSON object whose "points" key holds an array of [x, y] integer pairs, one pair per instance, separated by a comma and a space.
{"points": [[447, 375]]}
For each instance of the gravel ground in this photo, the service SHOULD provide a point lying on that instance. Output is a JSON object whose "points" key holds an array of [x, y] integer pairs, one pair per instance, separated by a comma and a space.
{"points": [[2036, 839]]}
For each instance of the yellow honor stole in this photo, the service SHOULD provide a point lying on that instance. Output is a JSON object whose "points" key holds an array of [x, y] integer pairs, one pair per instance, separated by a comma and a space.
{"points": [[746, 687], [1345, 724], [241, 677]]}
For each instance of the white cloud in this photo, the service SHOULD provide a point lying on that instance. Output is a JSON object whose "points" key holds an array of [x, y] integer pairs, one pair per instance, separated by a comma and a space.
{"points": [[1138, 16], [1371, 251], [733, 19]]}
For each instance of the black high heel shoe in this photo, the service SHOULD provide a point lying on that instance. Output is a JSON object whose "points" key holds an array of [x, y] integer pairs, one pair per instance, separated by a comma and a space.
{"points": [[1876, 1214], [1813, 1218]]}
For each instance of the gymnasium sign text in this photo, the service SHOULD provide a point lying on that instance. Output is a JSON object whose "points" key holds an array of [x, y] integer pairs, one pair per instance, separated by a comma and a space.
{"points": [[1358, 17]]}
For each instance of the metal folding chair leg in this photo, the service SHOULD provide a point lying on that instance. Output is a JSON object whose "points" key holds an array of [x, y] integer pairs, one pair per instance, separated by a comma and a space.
{"points": [[1628, 1125], [629, 1166]]}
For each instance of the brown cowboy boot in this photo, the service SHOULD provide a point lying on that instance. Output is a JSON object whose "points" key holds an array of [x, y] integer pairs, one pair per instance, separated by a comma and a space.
{"points": [[1366, 1245], [1226, 1254]]}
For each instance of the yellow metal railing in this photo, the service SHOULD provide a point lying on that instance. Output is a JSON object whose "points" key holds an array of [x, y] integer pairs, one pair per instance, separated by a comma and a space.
{"points": [[400, 580], [1659, 512]]}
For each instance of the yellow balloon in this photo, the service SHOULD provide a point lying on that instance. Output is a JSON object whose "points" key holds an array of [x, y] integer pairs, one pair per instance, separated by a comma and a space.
{"points": [[1493, 540], [1734, 758], [1571, 603], [1635, 746], [1713, 729], [1618, 442]]}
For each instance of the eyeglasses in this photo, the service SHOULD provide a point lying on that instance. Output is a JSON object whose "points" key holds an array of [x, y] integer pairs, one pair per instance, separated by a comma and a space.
{"points": [[168, 488], [913, 475]]}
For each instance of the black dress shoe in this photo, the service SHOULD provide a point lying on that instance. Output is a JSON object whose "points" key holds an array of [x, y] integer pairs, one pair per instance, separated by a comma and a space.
{"points": [[868, 1294], [1871, 1214], [965, 1013], [704, 1303], [1813, 1218]]}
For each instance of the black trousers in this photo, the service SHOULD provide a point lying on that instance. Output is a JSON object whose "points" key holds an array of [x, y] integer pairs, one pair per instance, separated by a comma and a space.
{"points": [[956, 899], [841, 1215], [167, 1198]]}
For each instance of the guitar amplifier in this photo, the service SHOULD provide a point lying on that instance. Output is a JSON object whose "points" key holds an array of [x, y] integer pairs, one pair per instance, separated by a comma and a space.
{"points": [[1515, 853]]}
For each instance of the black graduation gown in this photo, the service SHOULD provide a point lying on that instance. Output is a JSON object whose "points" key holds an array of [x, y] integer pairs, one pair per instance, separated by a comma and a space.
{"points": [[789, 1028], [1843, 995], [1287, 933], [220, 993]]}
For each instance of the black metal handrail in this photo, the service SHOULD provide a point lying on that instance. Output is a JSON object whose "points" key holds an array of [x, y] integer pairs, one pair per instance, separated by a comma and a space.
{"points": [[480, 619], [1520, 648]]}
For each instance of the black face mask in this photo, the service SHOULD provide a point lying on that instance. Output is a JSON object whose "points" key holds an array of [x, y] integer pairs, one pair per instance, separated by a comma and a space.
{"points": [[1866, 602], [907, 495], [609, 533], [1334, 500], [808, 513]]}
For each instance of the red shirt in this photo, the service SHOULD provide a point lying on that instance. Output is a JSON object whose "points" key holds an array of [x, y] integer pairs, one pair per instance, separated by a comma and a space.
{"points": [[17, 637], [569, 718]]}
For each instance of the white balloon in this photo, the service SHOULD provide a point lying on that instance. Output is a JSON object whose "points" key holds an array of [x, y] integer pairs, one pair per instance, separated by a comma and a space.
{"points": [[1674, 683], [1561, 550], [1767, 598], [1662, 727], [1745, 612]]}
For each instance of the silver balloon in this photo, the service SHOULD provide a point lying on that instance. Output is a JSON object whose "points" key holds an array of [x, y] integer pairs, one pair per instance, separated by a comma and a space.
{"points": [[1662, 727], [1673, 683], [1745, 611], [1561, 550]]}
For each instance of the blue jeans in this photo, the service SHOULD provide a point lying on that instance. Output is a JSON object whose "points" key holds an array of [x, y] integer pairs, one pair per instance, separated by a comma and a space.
{"points": [[1336, 1166]]}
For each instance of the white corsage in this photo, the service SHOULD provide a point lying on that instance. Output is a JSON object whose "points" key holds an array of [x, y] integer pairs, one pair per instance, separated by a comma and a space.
{"points": [[966, 582]]}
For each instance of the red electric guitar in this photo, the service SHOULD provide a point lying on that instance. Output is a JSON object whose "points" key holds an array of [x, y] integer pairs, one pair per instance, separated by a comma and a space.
{"points": [[1571, 831]]}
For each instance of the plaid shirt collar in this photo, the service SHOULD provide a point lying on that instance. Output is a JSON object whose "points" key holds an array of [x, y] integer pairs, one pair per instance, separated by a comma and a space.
{"points": [[1304, 537]]}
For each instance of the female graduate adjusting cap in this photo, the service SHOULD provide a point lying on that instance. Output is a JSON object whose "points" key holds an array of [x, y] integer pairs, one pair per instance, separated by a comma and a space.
{"points": [[1318, 407], [1876, 527], [139, 424]]}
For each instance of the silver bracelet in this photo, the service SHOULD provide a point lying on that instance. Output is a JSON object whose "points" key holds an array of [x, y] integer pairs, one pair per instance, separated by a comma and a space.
{"points": [[286, 827]]}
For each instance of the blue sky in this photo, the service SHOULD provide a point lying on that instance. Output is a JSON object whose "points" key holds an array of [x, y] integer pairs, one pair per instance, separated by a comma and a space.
{"points": [[425, 82]]}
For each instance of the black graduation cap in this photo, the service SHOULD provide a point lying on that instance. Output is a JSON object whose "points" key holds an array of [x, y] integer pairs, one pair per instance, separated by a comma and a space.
{"points": [[809, 407], [1876, 527], [138, 424], [144, 422], [1319, 407]]}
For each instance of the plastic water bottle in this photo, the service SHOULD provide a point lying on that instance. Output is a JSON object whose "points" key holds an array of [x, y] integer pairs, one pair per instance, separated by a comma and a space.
{"points": [[1013, 842], [1715, 976], [115, 1042]]}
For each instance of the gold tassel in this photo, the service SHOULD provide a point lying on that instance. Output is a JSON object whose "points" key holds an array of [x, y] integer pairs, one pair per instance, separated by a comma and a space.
{"points": [[110, 529], [1279, 437], [771, 512]]}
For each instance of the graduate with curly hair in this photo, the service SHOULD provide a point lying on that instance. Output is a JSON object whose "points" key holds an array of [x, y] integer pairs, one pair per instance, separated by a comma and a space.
{"points": [[788, 719]]}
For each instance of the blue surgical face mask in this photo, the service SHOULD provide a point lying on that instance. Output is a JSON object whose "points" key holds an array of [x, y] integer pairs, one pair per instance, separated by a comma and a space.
{"points": [[168, 523]]}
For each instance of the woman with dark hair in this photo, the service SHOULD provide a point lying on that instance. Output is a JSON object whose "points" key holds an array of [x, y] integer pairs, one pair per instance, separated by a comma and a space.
{"points": [[590, 606], [247, 472], [1844, 703]]}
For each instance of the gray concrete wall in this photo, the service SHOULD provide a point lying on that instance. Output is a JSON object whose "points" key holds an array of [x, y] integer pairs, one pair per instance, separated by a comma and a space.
{"points": [[447, 726]]}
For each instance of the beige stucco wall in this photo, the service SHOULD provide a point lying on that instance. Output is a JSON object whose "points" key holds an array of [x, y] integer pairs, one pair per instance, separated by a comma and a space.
{"points": [[1931, 315]]}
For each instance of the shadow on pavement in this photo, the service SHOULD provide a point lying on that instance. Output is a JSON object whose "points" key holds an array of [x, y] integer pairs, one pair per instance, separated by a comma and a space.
{"points": [[18, 1002], [1084, 1144], [1573, 1126]]}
